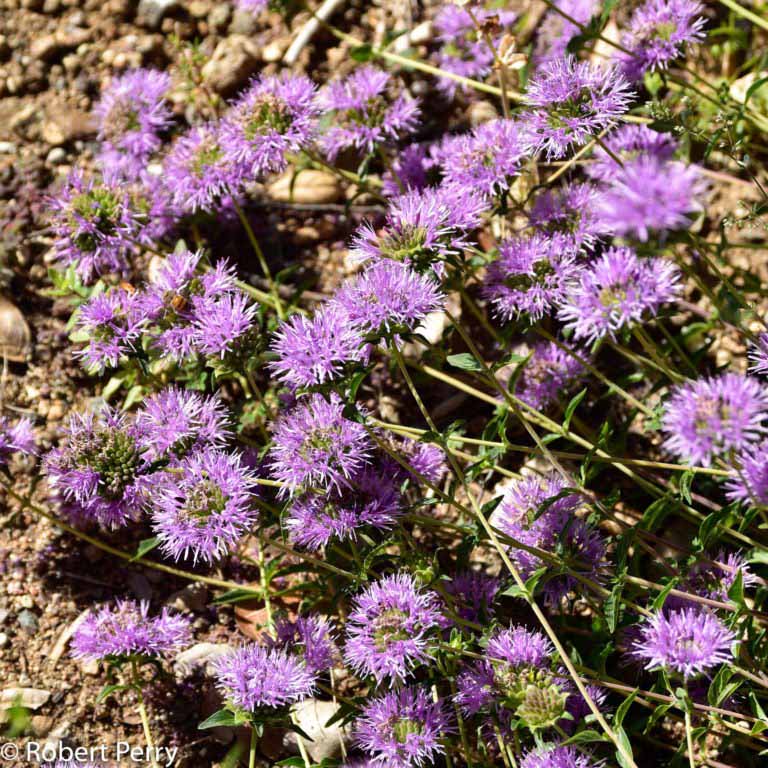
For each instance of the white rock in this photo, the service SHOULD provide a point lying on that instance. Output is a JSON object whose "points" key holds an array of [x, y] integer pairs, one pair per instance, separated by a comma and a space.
{"points": [[311, 716], [29, 698], [199, 655]]}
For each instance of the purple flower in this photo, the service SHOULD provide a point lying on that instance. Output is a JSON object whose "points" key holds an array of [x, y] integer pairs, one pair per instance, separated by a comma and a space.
{"points": [[472, 596], [127, 630], [548, 374], [315, 445], [568, 212], [714, 578], [555, 31], [113, 323], [758, 355], [101, 469], [363, 116], [18, 437], [411, 170], [204, 506], [309, 639], [372, 501], [222, 325], [389, 626], [252, 6], [387, 298], [649, 194], [577, 706], [314, 351], [615, 291], [198, 172], [689, 642], [487, 159], [629, 143], [558, 757], [658, 33], [749, 483], [539, 512], [572, 101], [277, 115], [132, 113], [421, 228], [426, 459], [253, 678], [94, 225], [403, 729], [516, 675], [175, 422], [712, 416], [530, 276]]}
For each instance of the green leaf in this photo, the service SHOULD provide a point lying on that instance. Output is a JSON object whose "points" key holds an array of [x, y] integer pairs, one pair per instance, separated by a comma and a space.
{"points": [[623, 708], [464, 362], [661, 598], [362, 53], [585, 737], [721, 688], [222, 718], [237, 595], [145, 545], [572, 406], [686, 479], [736, 591], [108, 690]]}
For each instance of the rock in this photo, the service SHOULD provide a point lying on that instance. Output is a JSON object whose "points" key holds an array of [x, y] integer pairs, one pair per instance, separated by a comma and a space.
{"points": [[3, 640], [26, 601], [153, 11], [243, 23], [7, 148], [307, 186], [29, 698], [28, 621], [274, 51], [422, 33], [311, 716], [199, 9], [235, 59], [480, 112], [193, 598], [90, 667], [41, 725], [64, 125], [218, 18], [48, 47], [200, 655], [56, 156]]}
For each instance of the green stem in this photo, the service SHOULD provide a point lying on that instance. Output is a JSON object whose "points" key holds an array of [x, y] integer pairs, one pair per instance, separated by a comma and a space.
{"points": [[252, 749], [143, 713]]}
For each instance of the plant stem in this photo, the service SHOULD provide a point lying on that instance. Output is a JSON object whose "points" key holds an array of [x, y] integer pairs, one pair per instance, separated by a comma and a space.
{"points": [[252, 749], [143, 713]]}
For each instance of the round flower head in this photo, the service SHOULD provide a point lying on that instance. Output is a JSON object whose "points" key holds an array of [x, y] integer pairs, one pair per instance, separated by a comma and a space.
{"points": [[373, 502], [714, 578], [203, 507], [175, 422], [313, 351], [387, 298], [309, 639], [538, 512], [487, 159], [315, 445], [113, 323], [222, 325], [658, 32], [101, 468], [472, 595], [132, 112], [198, 172], [388, 628], [421, 228], [253, 678], [572, 101], [94, 225], [568, 212], [615, 291], [548, 374], [749, 482], [629, 143], [275, 116], [558, 757], [403, 729], [555, 31], [426, 459], [252, 6], [16, 438], [711, 417], [363, 116], [688, 642], [128, 630], [530, 276], [517, 677], [650, 195]]}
